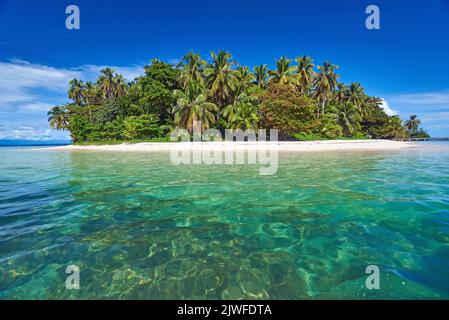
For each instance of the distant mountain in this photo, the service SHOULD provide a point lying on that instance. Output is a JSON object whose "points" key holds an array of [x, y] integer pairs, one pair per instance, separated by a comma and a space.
{"points": [[23, 143]]}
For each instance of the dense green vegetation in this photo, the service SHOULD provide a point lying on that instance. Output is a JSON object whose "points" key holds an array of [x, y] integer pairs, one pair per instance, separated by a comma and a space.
{"points": [[302, 101]]}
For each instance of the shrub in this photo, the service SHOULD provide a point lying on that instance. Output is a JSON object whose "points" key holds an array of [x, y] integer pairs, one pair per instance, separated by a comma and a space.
{"points": [[141, 127], [286, 109]]}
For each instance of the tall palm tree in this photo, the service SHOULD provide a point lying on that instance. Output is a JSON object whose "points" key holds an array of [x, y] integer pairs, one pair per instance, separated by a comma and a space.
{"points": [[305, 73], [106, 83], [57, 117], [192, 68], [394, 128], [413, 123], [111, 85], [348, 119], [242, 80], [76, 90], [261, 75], [191, 105], [370, 107], [325, 83], [121, 85], [356, 94], [283, 73], [219, 77], [341, 93], [91, 94], [375, 102], [357, 97]]}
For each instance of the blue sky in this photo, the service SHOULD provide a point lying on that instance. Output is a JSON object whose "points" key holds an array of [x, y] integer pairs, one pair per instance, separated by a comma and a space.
{"points": [[405, 62]]}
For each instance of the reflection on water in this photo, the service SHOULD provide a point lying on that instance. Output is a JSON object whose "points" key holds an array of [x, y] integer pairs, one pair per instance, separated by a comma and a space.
{"points": [[139, 227]]}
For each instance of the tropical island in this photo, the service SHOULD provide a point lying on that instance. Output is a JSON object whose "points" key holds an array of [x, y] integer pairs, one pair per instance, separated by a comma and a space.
{"points": [[302, 101]]}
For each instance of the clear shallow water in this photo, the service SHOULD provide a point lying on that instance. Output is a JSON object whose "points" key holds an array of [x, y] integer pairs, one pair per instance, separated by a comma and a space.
{"points": [[139, 227]]}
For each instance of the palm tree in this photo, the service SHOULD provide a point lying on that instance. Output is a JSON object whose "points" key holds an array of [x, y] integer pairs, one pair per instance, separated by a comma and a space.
{"points": [[121, 85], [357, 97], [192, 69], [219, 77], [329, 127], [106, 83], [413, 123], [242, 80], [283, 73], [191, 105], [91, 94], [394, 128], [369, 107], [305, 73], [341, 93], [245, 117], [58, 118], [231, 109], [348, 119], [76, 90], [356, 94], [261, 75], [325, 83], [111, 85]]}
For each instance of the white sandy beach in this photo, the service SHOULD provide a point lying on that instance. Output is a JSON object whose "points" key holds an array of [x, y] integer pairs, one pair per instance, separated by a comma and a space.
{"points": [[292, 146]]}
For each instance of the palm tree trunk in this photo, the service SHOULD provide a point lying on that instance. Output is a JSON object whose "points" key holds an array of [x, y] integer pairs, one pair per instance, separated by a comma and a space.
{"points": [[321, 108], [218, 119]]}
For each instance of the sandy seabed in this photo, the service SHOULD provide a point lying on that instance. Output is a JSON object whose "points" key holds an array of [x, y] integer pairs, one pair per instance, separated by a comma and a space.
{"points": [[293, 146]]}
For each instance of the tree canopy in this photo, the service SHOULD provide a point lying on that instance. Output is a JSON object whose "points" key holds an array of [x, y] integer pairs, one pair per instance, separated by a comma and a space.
{"points": [[297, 97]]}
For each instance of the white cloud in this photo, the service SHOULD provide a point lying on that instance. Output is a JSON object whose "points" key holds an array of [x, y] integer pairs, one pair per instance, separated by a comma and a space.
{"points": [[11, 95], [32, 132], [25, 128], [21, 81], [431, 107], [28, 91], [91, 72], [388, 110], [426, 98], [19, 78], [36, 107], [436, 117]]}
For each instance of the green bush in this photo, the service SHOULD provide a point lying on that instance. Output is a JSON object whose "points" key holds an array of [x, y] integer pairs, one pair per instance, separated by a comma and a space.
{"points": [[141, 127], [308, 137], [79, 128], [114, 141], [286, 109]]}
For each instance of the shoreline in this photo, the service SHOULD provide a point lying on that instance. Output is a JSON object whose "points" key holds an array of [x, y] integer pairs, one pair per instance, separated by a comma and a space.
{"points": [[292, 146]]}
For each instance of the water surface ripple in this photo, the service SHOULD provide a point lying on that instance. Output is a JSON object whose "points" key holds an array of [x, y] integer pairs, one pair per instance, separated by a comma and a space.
{"points": [[139, 227]]}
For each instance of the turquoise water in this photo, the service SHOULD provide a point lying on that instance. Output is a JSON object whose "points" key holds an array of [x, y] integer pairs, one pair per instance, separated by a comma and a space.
{"points": [[139, 227]]}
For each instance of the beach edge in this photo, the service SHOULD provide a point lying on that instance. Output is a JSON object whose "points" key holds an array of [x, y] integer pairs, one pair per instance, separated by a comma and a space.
{"points": [[291, 146]]}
